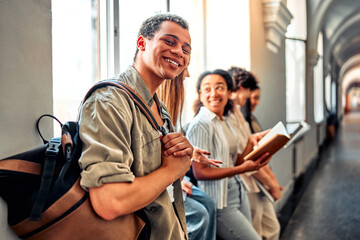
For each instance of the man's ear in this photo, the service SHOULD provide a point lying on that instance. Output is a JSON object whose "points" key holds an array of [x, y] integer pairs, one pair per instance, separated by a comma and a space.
{"points": [[141, 43]]}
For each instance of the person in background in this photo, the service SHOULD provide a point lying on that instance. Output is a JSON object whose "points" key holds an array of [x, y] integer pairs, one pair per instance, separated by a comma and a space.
{"points": [[264, 218], [210, 130], [250, 107], [200, 211], [126, 164]]}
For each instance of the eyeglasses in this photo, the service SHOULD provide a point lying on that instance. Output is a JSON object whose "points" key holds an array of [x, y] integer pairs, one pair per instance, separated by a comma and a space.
{"points": [[217, 88]]}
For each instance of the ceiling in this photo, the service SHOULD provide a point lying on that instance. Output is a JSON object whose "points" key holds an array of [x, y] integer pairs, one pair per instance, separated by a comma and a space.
{"points": [[340, 25]]}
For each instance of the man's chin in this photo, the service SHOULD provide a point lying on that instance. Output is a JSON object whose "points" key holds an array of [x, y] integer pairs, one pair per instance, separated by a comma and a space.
{"points": [[171, 75]]}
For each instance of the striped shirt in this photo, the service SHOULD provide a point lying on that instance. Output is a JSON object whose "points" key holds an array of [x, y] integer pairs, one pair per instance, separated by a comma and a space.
{"points": [[205, 132]]}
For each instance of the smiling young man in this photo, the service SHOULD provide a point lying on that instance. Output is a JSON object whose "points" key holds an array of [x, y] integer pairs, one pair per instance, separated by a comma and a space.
{"points": [[126, 165]]}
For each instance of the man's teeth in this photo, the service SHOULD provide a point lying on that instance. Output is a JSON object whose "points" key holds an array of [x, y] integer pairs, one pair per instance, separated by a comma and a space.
{"points": [[171, 61]]}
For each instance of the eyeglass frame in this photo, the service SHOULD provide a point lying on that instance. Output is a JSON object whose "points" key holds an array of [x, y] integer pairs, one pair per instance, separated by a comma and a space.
{"points": [[223, 89]]}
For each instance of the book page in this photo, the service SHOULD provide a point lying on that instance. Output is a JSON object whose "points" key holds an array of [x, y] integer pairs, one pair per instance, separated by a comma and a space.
{"points": [[279, 128], [303, 127], [273, 141]]}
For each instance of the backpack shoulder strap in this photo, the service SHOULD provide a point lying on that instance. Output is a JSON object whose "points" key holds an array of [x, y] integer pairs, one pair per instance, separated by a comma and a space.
{"points": [[19, 165], [138, 100]]}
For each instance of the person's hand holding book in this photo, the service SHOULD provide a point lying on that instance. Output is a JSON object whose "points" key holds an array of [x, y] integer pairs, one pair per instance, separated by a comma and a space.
{"points": [[252, 142]]}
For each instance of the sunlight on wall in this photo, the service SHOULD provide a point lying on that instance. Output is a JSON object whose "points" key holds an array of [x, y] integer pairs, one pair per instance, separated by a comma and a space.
{"points": [[218, 40], [73, 58], [82, 55], [297, 28], [130, 24], [192, 11], [227, 35]]}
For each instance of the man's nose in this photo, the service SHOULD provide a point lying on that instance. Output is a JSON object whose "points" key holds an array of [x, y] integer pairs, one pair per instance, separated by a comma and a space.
{"points": [[177, 50]]}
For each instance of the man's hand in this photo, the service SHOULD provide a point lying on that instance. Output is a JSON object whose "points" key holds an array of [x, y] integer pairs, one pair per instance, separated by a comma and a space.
{"points": [[178, 166], [177, 144], [199, 156]]}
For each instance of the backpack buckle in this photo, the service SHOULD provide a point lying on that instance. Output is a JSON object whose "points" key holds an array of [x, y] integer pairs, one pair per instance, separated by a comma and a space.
{"points": [[53, 148]]}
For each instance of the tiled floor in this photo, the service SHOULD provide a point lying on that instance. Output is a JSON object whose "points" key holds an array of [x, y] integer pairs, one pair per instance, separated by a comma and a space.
{"points": [[330, 206]]}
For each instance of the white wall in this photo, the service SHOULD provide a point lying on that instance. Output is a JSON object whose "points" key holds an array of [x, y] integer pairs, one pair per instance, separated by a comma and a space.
{"points": [[269, 68], [25, 79]]}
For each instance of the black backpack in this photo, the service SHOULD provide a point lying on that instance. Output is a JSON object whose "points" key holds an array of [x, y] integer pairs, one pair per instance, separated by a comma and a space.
{"points": [[42, 191]]}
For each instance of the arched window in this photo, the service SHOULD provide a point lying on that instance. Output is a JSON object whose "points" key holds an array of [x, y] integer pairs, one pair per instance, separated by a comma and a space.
{"points": [[295, 62], [295, 80], [319, 85]]}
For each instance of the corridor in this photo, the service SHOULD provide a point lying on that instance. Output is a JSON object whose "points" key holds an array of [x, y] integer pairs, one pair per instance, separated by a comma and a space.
{"points": [[330, 206], [304, 54]]}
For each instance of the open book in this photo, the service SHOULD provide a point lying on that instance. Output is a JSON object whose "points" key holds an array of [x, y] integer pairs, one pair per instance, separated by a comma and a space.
{"points": [[296, 131], [273, 141]]}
